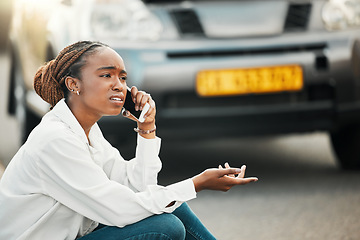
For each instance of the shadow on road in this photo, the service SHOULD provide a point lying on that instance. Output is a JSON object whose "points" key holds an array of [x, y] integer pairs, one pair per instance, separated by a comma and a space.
{"points": [[276, 157]]}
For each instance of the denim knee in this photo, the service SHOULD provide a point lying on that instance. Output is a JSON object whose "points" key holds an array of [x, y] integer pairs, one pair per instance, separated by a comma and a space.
{"points": [[164, 226], [170, 226]]}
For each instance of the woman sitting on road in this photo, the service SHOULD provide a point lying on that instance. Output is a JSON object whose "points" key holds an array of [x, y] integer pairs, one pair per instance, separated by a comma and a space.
{"points": [[68, 182]]}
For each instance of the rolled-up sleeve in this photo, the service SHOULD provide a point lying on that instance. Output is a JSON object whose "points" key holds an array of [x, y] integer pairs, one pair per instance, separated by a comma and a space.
{"points": [[70, 176]]}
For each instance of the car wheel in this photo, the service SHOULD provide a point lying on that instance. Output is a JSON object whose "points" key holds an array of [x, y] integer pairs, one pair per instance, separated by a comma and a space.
{"points": [[346, 144], [26, 119]]}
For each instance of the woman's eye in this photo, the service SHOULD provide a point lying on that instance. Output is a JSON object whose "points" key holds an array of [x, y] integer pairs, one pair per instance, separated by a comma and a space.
{"points": [[123, 78], [106, 75]]}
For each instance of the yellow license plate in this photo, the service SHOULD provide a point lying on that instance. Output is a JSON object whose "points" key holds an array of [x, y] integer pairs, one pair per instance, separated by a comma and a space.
{"points": [[249, 80]]}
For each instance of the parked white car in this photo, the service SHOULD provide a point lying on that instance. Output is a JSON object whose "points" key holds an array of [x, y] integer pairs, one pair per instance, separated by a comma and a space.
{"points": [[214, 67]]}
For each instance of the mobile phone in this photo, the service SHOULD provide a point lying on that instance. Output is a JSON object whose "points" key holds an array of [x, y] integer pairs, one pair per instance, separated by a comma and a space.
{"points": [[129, 105]]}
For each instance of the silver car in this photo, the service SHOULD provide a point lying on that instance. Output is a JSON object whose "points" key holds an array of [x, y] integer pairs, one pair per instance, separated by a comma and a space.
{"points": [[214, 67]]}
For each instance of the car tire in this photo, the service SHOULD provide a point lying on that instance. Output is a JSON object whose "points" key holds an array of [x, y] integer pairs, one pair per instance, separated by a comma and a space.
{"points": [[346, 144], [26, 119]]}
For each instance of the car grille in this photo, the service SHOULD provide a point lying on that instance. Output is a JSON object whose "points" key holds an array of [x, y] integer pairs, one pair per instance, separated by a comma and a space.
{"points": [[187, 22], [297, 17]]}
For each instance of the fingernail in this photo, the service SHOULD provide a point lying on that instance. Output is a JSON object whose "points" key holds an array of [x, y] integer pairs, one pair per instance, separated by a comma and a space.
{"points": [[238, 170]]}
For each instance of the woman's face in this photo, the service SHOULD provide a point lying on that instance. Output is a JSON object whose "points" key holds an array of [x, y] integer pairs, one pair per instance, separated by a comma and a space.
{"points": [[103, 83]]}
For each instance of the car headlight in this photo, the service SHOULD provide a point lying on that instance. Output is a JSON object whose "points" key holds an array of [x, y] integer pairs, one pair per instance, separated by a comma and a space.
{"points": [[125, 19], [341, 14]]}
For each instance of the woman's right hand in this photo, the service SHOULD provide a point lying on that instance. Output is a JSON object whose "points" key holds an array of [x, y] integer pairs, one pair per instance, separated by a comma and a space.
{"points": [[221, 179]]}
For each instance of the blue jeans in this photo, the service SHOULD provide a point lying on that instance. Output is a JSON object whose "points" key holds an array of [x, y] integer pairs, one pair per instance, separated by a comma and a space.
{"points": [[181, 224]]}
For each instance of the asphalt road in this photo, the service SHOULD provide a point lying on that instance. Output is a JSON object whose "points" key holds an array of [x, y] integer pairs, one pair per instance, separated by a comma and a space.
{"points": [[301, 193]]}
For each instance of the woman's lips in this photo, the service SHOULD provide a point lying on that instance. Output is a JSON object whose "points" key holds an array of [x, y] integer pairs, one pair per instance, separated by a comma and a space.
{"points": [[116, 99], [119, 100]]}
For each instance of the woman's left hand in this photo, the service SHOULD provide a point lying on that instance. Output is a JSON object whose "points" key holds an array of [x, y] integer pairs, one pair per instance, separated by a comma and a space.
{"points": [[221, 179]]}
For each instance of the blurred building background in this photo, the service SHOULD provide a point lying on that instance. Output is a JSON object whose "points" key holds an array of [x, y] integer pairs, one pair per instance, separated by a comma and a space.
{"points": [[8, 142]]}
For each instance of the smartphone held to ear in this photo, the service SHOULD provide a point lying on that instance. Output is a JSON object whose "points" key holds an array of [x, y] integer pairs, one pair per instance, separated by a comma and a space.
{"points": [[129, 105]]}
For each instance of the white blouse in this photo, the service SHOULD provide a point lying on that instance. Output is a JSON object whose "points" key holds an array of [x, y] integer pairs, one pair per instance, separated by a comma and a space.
{"points": [[58, 186]]}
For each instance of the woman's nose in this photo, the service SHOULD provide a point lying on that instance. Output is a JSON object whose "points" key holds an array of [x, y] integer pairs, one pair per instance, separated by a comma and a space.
{"points": [[118, 85]]}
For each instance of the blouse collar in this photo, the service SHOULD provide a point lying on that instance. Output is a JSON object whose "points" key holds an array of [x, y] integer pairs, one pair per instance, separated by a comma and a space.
{"points": [[62, 111]]}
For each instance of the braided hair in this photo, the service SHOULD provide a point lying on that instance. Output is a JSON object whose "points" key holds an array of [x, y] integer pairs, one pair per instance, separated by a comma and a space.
{"points": [[49, 80]]}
